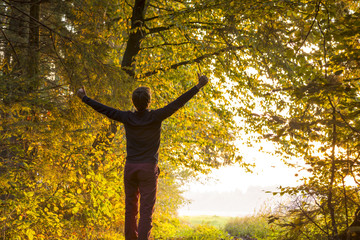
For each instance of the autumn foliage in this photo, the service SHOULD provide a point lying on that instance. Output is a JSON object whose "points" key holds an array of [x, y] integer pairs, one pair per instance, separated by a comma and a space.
{"points": [[286, 71]]}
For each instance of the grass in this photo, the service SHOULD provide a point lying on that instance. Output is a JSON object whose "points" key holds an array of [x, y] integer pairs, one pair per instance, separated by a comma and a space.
{"points": [[216, 221], [247, 227]]}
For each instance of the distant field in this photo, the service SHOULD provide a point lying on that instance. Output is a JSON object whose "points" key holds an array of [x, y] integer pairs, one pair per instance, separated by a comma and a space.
{"points": [[216, 221]]}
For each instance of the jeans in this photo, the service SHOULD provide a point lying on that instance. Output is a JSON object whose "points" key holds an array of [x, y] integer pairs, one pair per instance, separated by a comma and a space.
{"points": [[139, 179]]}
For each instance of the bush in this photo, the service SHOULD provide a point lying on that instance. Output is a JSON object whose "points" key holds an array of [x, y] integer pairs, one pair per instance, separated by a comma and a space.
{"points": [[201, 232], [249, 227], [165, 228], [174, 229]]}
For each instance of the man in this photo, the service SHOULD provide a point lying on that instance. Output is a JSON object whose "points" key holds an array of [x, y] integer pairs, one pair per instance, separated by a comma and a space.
{"points": [[141, 172]]}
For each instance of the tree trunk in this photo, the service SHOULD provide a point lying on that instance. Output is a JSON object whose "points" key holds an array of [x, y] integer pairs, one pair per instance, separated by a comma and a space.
{"points": [[15, 37], [128, 62], [33, 44], [135, 37], [332, 179], [34, 35]]}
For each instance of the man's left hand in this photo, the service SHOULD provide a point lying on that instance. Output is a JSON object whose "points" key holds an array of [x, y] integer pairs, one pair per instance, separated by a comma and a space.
{"points": [[81, 92]]}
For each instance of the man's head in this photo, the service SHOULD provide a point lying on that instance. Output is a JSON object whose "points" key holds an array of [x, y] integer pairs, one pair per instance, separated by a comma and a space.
{"points": [[141, 98]]}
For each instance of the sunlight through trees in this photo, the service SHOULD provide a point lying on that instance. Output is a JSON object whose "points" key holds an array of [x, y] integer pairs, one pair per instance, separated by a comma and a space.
{"points": [[61, 164]]}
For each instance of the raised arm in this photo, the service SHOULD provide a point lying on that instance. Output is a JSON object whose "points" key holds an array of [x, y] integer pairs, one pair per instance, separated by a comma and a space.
{"points": [[110, 112], [172, 107]]}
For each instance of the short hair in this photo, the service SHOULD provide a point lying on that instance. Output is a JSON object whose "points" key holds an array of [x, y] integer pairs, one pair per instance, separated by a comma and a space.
{"points": [[141, 98]]}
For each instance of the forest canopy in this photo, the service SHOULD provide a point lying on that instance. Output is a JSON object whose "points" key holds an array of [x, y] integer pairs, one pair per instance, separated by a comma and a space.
{"points": [[284, 71]]}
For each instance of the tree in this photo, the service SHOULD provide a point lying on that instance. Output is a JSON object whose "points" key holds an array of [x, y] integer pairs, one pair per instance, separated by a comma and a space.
{"points": [[308, 106], [61, 163]]}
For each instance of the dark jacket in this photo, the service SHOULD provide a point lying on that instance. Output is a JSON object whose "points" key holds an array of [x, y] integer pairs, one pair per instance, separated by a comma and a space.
{"points": [[142, 128]]}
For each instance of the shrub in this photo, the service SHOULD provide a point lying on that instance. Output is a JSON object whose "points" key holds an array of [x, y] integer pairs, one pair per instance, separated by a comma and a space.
{"points": [[249, 227], [201, 232], [165, 228]]}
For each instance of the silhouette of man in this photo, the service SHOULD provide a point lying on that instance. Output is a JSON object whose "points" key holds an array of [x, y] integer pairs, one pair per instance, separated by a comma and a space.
{"points": [[142, 128]]}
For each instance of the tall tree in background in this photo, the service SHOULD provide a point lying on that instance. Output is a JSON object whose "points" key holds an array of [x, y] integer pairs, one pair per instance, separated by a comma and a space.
{"points": [[305, 82], [61, 171]]}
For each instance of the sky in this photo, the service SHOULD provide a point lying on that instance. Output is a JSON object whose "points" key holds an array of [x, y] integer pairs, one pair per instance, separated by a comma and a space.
{"points": [[231, 191]]}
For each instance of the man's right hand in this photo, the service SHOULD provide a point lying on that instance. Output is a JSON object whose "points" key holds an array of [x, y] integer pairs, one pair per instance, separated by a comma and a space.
{"points": [[81, 92], [203, 80]]}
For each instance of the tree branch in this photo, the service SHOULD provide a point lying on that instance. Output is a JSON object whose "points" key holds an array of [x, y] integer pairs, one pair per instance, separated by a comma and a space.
{"points": [[195, 25], [160, 8], [195, 60], [346, 122], [311, 26], [37, 21], [159, 29], [11, 45], [351, 79], [165, 44]]}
